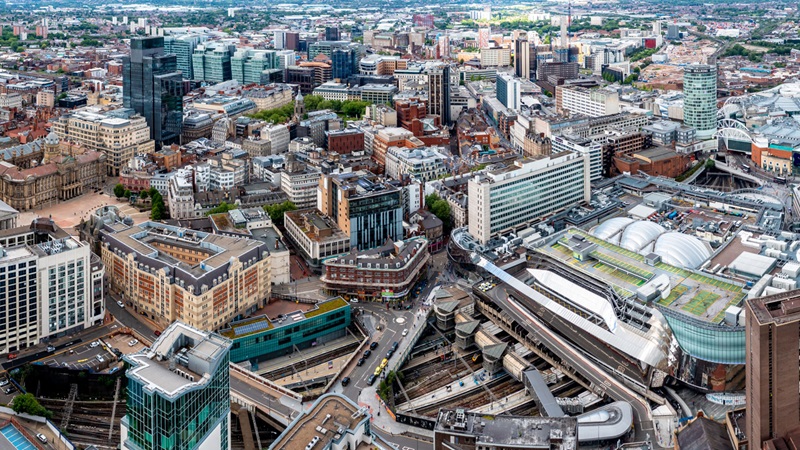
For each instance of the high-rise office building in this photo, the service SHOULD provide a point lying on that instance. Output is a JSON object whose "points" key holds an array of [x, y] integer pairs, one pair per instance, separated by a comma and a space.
{"points": [[522, 58], [179, 393], [673, 31], [212, 62], [443, 46], [484, 34], [153, 87], [50, 285], [509, 91], [700, 99], [332, 34], [773, 373], [286, 40], [182, 47], [532, 188], [364, 207], [285, 58], [439, 92], [344, 62], [248, 65]]}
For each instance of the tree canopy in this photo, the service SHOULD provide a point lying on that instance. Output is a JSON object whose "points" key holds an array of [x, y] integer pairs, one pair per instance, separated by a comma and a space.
{"points": [[439, 207], [27, 404], [276, 211]]}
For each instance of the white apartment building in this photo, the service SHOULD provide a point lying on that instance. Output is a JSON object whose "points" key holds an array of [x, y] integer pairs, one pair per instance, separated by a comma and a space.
{"points": [[65, 288], [577, 100], [180, 198], [278, 135], [495, 57], [423, 164], [49, 286], [530, 190], [119, 133]]}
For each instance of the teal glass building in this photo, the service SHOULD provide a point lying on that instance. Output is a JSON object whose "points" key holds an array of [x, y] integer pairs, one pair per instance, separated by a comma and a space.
{"points": [[179, 393], [259, 338]]}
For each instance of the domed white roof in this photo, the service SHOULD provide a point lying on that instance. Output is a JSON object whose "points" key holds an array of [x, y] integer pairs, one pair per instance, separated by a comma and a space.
{"points": [[611, 227], [639, 234], [681, 250]]}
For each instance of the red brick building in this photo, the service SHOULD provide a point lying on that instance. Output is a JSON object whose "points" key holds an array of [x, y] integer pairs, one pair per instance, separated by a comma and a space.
{"points": [[657, 161], [345, 141], [412, 114], [386, 273]]}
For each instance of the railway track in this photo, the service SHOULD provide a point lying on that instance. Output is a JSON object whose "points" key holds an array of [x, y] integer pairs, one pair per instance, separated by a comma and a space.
{"points": [[472, 399]]}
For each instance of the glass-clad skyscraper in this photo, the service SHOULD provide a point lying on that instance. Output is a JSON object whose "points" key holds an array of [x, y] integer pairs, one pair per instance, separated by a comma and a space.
{"points": [[153, 87], [183, 47], [179, 393]]}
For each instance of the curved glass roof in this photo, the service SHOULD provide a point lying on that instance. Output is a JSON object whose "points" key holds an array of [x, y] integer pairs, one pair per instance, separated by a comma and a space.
{"points": [[611, 227], [639, 234], [681, 250], [719, 344]]}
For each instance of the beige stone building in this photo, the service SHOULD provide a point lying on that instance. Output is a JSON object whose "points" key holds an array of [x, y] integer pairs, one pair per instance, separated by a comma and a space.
{"points": [[48, 171], [120, 133], [168, 273]]}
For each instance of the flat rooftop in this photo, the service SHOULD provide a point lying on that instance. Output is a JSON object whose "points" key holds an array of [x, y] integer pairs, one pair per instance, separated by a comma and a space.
{"points": [[697, 295], [779, 309], [332, 413], [536, 432], [182, 358], [261, 323]]}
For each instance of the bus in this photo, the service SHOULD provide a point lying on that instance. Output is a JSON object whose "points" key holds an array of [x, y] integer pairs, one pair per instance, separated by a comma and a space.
{"points": [[779, 180]]}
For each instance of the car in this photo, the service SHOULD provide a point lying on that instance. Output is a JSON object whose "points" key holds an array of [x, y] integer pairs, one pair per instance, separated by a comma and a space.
{"points": [[100, 358], [354, 300], [157, 333], [345, 381], [371, 380], [367, 353], [133, 342], [405, 331], [373, 346], [50, 348], [120, 304], [377, 328], [42, 438], [394, 346], [3, 383], [12, 355], [9, 389], [94, 344], [389, 353], [360, 362]]}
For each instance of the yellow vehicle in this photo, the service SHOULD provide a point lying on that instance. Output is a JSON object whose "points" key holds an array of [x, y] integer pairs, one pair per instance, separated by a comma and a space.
{"points": [[384, 363], [475, 358], [378, 370]]}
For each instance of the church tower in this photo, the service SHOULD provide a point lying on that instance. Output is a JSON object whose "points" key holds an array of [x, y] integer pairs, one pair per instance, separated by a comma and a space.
{"points": [[299, 107]]}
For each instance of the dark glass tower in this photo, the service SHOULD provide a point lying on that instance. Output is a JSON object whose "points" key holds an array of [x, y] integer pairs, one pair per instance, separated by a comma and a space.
{"points": [[344, 62], [153, 87]]}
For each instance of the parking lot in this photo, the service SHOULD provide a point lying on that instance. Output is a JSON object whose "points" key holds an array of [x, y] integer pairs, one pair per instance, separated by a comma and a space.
{"points": [[123, 341], [83, 356]]}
